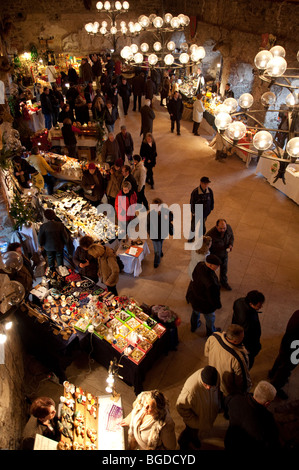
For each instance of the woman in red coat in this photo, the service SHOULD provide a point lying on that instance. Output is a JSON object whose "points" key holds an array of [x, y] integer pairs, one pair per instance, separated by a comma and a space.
{"points": [[125, 198]]}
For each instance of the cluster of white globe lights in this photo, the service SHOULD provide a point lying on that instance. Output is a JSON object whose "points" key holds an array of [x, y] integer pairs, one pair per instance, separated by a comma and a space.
{"points": [[152, 23], [272, 66]]}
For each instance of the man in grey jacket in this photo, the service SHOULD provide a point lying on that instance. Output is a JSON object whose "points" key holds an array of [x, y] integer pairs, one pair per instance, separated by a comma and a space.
{"points": [[199, 405]]}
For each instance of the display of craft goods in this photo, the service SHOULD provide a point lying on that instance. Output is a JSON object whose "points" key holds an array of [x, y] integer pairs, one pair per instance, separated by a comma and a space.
{"points": [[150, 335], [133, 323], [82, 324], [78, 420], [144, 345], [119, 344], [159, 329], [133, 338], [136, 355], [69, 167], [123, 316], [101, 330], [149, 323], [123, 330]]}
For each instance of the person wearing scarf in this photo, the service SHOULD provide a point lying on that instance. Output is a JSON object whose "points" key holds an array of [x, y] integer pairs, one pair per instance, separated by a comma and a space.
{"points": [[150, 425]]}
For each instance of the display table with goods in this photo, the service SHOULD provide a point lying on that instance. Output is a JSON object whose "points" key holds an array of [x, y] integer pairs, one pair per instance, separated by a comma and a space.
{"points": [[37, 119], [72, 311], [132, 253], [282, 176], [86, 140], [211, 101], [69, 169], [86, 422], [80, 217]]}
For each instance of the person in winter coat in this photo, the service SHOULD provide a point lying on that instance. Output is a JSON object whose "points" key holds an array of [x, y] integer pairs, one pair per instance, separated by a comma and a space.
{"points": [[125, 199], [138, 84], [159, 227], [92, 184], [43, 168], [147, 118], [139, 173], [23, 171], [87, 265], [125, 93], [108, 269], [222, 243], [127, 176], [150, 425], [125, 143], [47, 107], [175, 108], [165, 91], [52, 237], [81, 107], [110, 115], [85, 72], [204, 293], [98, 106], [148, 152], [72, 75], [252, 427], [198, 110], [246, 314], [69, 136], [203, 195], [66, 113], [115, 181], [110, 151], [226, 352], [149, 90], [198, 404], [96, 68]]}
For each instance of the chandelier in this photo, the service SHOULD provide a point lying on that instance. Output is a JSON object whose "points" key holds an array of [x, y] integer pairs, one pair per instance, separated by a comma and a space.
{"points": [[165, 52], [232, 116], [111, 29]]}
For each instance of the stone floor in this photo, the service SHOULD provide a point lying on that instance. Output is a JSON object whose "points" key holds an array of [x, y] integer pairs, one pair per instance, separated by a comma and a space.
{"points": [[264, 257]]}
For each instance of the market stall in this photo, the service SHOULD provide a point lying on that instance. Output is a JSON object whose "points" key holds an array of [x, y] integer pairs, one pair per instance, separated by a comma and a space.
{"points": [[68, 312], [86, 141], [132, 253], [288, 184]]}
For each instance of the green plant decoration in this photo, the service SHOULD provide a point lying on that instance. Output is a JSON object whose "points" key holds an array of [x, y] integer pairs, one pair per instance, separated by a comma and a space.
{"points": [[21, 211]]}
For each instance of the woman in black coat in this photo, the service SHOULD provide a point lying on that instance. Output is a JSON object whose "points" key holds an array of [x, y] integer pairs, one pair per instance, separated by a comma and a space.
{"points": [[148, 153]]}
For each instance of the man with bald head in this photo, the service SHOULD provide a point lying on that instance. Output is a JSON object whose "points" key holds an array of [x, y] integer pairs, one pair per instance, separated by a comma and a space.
{"points": [[222, 243]]}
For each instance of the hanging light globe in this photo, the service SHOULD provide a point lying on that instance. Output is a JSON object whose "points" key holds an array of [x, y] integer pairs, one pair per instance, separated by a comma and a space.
{"points": [[11, 261], [169, 59], [246, 100], [104, 24], [138, 58], [184, 19], [292, 99], [221, 108], [268, 98], [144, 21], [113, 30], [126, 52], [152, 59], [124, 30], [137, 27], [231, 104], [236, 130], [126, 5], [262, 59], [276, 66], [262, 140], [167, 18], [222, 121], [144, 47], [201, 52], [175, 22], [103, 30], [134, 48], [278, 51], [292, 147], [99, 5], [157, 46], [117, 5], [152, 17], [15, 293], [88, 27], [107, 5], [158, 22], [184, 58], [171, 45]]}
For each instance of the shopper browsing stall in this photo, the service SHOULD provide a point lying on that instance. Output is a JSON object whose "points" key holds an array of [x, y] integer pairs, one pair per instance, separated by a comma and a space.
{"points": [[108, 269]]}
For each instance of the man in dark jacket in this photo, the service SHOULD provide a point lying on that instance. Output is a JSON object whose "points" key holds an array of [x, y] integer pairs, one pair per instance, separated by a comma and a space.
{"points": [[125, 143], [125, 93], [69, 137], [204, 293], [138, 83], [147, 118], [87, 265], [287, 358], [205, 196], [149, 90], [52, 237], [222, 243], [96, 67], [47, 107], [110, 114], [246, 310], [85, 71], [175, 108], [127, 176], [251, 426]]}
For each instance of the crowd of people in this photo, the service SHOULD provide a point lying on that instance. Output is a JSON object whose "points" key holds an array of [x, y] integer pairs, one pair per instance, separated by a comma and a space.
{"points": [[225, 384]]}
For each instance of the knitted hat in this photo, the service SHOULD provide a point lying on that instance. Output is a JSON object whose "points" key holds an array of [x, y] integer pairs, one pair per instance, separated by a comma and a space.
{"points": [[213, 259], [91, 166], [209, 375]]}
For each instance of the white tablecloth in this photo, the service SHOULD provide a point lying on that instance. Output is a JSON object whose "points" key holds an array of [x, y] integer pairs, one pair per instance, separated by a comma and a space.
{"points": [[132, 265], [291, 188], [37, 121]]}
